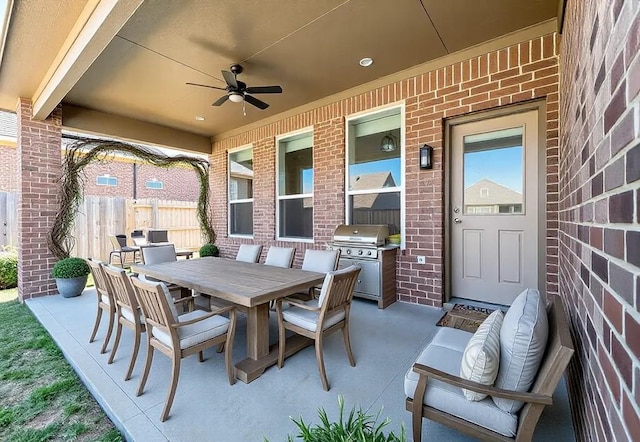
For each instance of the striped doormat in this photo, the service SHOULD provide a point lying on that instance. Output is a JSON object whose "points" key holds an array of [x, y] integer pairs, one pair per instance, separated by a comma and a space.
{"points": [[464, 317]]}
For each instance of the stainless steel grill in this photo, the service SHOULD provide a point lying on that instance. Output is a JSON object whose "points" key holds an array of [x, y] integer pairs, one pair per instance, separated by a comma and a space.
{"points": [[364, 245]]}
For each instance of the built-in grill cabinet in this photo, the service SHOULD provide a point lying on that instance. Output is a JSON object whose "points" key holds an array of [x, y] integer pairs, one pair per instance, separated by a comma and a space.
{"points": [[364, 245]]}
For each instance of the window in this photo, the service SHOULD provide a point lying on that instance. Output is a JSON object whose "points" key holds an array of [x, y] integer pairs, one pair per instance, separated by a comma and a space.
{"points": [[295, 186], [375, 192], [484, 192], [241, 192], [154, 184], [106, 180]]}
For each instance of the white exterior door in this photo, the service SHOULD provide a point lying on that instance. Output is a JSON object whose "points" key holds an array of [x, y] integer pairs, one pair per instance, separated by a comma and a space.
{"points": [[494, 204]]}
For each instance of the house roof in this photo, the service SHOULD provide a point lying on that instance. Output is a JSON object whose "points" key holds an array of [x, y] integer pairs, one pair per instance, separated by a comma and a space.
{"points": [[120, 68], [486, 192]]}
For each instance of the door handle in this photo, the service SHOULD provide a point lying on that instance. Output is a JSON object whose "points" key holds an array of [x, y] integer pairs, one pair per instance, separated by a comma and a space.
{"points": [[457, 220]]}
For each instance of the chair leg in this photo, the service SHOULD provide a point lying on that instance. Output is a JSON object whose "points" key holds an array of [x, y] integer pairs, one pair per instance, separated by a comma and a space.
{"points": [[228, 353], [96, 325], [320, 358], [116, 343], [147, 365], [109, 330], [200, 356], [175, 374], [220, 348], [281, 338], [347, 344], [134, 355]]}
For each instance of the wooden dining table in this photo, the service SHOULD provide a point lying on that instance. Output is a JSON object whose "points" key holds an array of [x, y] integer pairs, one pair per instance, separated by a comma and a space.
{"points": [[245, 284]]}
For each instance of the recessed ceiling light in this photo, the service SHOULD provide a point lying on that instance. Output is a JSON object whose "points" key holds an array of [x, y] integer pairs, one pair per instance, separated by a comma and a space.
{"points": [[366, 62], [199, 118]]}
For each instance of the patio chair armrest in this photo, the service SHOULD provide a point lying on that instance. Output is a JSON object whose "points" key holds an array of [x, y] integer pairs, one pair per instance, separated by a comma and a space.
{"points": [[430, 372], [297, 303], [192, 321], [220, 310]]}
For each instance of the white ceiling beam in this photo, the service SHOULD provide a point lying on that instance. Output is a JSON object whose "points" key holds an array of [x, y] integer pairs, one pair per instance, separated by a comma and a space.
{"points": [[96, 26]]}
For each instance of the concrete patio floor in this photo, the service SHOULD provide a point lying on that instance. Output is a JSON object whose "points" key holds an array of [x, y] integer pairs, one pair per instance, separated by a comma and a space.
{"points": [[207, 408]]}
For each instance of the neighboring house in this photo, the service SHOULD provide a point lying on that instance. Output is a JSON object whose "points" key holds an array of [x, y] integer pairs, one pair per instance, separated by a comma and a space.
{"points": [[487, 196], [373, 201]]}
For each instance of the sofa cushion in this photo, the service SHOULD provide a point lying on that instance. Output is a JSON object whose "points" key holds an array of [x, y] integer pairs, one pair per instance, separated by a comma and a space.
{"points": [[522, 344], [450, 399], [481, 356]]}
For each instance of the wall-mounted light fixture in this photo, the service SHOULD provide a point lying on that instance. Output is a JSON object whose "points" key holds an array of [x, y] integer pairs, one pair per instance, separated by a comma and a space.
{"points": [[426, 154]]}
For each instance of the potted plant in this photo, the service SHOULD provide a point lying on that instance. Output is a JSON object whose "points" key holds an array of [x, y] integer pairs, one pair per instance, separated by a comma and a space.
{"points": [[71, 276], [209, 250]]}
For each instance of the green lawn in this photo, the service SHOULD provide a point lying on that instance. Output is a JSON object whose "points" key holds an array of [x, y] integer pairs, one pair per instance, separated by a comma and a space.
{"points": [[41, 398]]}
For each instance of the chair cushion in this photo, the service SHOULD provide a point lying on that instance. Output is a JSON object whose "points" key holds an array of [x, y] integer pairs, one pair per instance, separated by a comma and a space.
{"points": [[128, 315], [105, 299], [321, 261], [481, 356], [308, 319], [452, 338], [450, 399], [197, 333], [329, 278], [523, 340]]}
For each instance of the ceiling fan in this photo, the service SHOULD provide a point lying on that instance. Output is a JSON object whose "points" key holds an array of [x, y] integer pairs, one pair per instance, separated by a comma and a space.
{"points": [[238, 91]]}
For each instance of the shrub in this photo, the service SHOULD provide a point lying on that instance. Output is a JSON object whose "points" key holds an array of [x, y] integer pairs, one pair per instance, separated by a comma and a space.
{"points": [[71, 268], [209, 250], [8, 269], [358, 427]]}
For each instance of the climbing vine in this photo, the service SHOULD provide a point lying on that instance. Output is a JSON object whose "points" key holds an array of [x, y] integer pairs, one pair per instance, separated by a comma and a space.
{"points": [[85, 151]]}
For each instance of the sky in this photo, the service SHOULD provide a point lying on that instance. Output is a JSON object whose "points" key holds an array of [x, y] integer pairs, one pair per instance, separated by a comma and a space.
{"points": [[502, 166]]}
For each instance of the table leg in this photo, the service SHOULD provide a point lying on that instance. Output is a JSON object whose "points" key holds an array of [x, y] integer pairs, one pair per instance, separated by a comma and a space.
{"points": [[259, 355]]}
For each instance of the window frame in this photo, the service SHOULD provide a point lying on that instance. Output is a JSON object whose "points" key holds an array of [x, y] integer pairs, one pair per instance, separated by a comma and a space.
{"points": [[108, 177], [278, 140], [350, 120], [242, 200]]}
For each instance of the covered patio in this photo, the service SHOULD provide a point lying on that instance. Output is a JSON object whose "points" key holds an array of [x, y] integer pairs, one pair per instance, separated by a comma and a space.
{"points": [[402, 83], [207, 408]]}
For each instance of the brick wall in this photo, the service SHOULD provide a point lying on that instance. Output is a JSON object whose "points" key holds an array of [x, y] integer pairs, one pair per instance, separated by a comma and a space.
{"points": [[8, 169], [515, 74], [600, 214], [180, 183], [39, 168]]}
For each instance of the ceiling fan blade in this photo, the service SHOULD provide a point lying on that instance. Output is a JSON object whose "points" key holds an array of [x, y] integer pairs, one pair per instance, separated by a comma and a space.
{"points": [[230, 78], [206, 85], [257, 103], [221, 100], [264, 90]]}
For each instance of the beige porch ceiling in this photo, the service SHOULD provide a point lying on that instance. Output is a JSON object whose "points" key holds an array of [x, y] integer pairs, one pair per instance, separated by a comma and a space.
{"points": [[124, 73]]}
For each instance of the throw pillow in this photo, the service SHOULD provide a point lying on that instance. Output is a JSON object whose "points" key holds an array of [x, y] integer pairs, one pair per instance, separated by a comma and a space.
{"points": [[481, 357], [522, 344]]}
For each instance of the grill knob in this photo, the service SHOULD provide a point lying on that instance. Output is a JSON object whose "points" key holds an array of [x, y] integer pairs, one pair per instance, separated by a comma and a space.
{"points": [[369, 253], [348, 251], [359, 252]]}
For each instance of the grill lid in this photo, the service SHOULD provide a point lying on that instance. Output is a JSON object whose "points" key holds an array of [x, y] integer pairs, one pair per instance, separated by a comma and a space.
{"points": [[361, 234]]}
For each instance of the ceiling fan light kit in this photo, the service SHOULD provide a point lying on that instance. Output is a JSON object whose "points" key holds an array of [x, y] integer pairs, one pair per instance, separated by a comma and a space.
{"points": [[238, 91]]}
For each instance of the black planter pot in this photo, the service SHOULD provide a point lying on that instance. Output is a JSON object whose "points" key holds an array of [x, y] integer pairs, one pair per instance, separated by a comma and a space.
{"points": [[70, 287]]}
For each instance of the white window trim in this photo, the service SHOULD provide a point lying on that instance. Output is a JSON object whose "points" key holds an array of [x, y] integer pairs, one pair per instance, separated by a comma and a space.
{"points": [[107, 184], [304, 130], [402, 188], [245, 200]]}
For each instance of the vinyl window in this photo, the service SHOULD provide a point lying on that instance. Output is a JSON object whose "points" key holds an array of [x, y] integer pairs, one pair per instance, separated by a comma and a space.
{"points": [[240, 179]]}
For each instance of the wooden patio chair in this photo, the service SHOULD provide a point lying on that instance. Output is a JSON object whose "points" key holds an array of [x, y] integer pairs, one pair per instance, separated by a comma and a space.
{"points": [[316, 319], [249, 252], [557, 355], [106, 302], [122, 251], [321, 261], [180, 336], [166, 253], [128, 312], [280, 257]]}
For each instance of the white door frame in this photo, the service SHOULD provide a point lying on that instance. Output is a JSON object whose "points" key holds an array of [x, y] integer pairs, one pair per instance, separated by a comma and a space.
{"points": [[540, 106]]}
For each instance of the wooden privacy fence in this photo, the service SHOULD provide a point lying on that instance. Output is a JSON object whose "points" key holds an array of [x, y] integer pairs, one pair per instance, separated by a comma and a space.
{"points": [[99, 217]]}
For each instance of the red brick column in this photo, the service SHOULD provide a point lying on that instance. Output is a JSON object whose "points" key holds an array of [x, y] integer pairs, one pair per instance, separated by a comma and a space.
{"points": [[39, 169]]}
